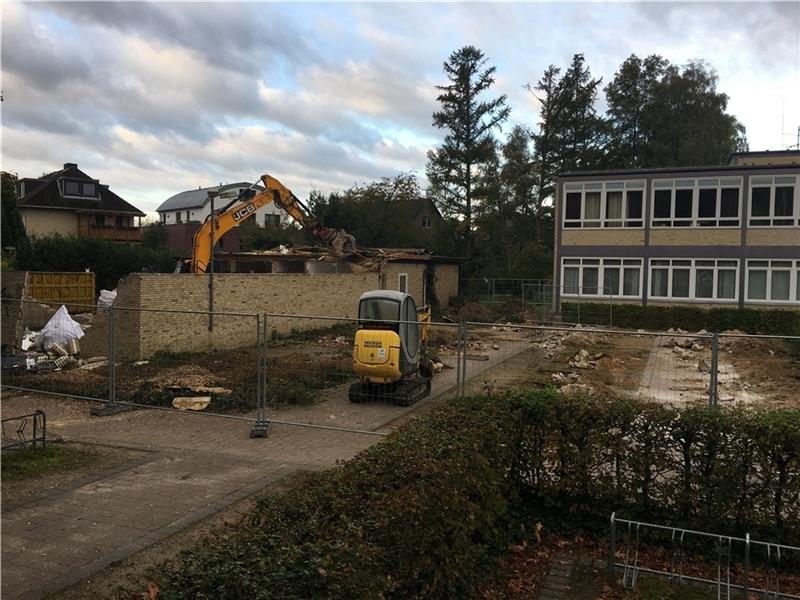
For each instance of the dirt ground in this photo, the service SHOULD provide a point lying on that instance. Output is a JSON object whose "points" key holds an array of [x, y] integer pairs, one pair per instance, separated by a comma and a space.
{"points": [[672, 368]]}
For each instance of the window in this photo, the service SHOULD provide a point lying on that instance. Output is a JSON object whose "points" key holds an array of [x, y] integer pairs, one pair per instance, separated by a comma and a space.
{"points": [[178, 217], [694, 279], [188, 219], [601, 277], [426, 222], [603, 204], [774, 202], [163, 217], [402, 282], [272, 220], [100, 220], [773, 281], [71, 187], [120, 221], [696, 202]]}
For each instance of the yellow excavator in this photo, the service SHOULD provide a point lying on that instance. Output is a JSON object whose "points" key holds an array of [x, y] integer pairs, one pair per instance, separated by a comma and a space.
{"points": [[245, 207], [390, 350]]}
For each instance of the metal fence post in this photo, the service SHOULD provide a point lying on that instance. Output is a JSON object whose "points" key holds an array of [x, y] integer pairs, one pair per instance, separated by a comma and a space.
{"points": [[260, 428], [746, 586], [463, 358], [713, 396], [612, 545], [111, 407]]}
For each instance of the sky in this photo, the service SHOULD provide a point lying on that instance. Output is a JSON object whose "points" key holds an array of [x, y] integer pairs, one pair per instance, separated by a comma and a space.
{"points": [[156, 98]]}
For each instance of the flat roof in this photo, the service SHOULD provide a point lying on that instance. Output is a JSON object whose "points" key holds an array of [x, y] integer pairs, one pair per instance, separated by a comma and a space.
{"points": [[668, 170]]}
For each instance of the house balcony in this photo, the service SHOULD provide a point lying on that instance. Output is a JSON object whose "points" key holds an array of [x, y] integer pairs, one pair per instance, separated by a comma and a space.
{"points": [[110, 232]]}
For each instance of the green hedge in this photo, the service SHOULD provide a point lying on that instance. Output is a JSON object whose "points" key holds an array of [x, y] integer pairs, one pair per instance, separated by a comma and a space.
{"points": [[424, 513], [634, 316]]}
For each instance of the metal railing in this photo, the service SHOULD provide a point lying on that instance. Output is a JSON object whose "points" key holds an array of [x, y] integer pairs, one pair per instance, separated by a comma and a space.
{"points": [[18, 436], [724, 549]]}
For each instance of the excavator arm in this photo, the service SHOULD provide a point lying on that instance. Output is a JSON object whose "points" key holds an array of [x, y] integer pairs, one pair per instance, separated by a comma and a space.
{"points": [[341, 242]]}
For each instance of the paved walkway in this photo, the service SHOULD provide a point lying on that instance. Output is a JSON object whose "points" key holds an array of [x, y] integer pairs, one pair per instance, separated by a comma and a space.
{"points": [[192, 467]]}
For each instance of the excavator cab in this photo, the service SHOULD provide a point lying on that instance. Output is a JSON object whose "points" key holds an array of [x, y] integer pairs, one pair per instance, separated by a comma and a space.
{"points": [[389, 351]]}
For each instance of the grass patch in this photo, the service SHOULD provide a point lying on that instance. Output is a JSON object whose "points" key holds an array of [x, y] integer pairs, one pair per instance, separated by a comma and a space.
{"points": [[27, 463]]}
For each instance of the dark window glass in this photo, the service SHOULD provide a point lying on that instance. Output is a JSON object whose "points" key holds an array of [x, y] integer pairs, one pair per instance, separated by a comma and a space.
{"points": [[760, 206], [634, 204], [784, 201], [680, 283], [662, 204], [707, 206], [704, 283], [88, 189], [100, 219], [573, 206], [72, 188], [729, 203], [683, 204], [120, 221]]}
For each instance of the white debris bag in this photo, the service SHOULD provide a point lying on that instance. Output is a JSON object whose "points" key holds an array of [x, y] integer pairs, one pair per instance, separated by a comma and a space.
{"points": [[59, 329], [106, 299]]}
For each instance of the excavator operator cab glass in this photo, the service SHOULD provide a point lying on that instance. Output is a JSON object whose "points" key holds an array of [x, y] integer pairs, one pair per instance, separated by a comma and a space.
{"points": [[376, 313]]}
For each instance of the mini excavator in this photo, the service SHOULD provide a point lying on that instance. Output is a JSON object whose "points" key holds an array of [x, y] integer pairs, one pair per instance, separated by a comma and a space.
{"points": [[390, 349], [245, 207]]}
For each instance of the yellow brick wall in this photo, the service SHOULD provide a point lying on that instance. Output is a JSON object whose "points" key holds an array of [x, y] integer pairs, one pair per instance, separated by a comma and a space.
{"points": [[445, 283], [140, 334], [602, 237], [43, 222], [415, 272], [695, 237], [775, 236]]}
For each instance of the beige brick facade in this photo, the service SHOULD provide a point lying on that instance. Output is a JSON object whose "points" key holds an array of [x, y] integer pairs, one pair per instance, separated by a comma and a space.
{"points": [[602, 237], [774, 236], [695, 237]]}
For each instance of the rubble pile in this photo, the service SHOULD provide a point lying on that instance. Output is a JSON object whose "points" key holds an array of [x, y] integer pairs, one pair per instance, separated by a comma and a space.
{"points": [[55, 347]]}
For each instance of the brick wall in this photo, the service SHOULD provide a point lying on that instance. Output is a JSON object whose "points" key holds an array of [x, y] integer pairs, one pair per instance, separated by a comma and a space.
{"points": [[704, 236], [602, 237], [139, 334], [445, 283], [773, 237]]}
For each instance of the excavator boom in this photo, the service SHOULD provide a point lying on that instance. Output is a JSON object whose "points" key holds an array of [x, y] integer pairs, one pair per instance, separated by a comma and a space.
{"points": [[341, 242]]}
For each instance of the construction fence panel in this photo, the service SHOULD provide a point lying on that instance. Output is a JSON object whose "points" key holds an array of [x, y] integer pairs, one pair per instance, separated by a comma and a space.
{"points": [[498, 290], [76, 368], [672, 368], [758, 370], [310, 373]]}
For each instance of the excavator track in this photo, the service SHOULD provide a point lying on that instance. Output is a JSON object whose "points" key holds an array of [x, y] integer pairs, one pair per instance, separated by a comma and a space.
{"points": [[402, 393]]}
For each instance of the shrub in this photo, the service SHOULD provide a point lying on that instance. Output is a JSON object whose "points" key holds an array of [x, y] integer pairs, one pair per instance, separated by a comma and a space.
{"points": [[632, 316], [423, 513]]}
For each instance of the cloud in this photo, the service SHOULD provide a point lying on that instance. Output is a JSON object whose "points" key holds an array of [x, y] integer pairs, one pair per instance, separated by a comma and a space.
{"points": [[154, 98]]}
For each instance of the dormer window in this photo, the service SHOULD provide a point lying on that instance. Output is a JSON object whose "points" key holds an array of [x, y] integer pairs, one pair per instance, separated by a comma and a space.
{"points": [[80, 189]]}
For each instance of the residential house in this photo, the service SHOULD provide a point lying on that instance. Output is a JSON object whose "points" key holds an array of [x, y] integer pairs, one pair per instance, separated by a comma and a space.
{"points": [[184, 212], [71, 203], [724, 235]]}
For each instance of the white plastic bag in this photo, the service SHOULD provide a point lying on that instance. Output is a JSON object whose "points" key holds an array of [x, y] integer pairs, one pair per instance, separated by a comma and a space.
{"points": [[60, 328], [106, 299]]}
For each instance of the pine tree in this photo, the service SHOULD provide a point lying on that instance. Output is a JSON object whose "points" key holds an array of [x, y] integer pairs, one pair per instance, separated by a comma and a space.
{"points": [[453, 168]]}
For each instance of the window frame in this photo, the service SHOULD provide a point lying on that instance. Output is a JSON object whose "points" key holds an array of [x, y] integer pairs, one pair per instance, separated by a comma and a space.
{"points": [[402, 282], [795, 217], [794, 278], [673, 184], [603, 188], [427, 222], [694, 267], [601, 265]]}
